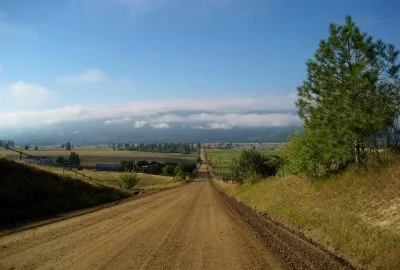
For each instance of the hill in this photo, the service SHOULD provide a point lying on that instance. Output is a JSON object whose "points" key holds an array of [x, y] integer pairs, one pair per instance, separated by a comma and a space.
{"points": [[28, 193]]}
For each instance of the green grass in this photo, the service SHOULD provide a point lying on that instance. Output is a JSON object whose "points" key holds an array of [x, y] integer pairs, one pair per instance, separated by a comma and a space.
{"points": [[222, 158], [355, 214]]}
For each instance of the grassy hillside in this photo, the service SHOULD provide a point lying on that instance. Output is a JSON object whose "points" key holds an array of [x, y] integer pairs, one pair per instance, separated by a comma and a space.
{"points": [[355, 214], [30, 193]]}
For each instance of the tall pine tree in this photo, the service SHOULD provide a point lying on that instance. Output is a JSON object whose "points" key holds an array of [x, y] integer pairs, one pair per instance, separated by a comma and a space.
{"points": [[348, 96]]}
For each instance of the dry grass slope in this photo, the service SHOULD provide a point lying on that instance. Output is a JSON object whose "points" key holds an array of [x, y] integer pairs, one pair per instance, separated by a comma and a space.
{"points": [[355, 214], [146, 181], [30, 193]]}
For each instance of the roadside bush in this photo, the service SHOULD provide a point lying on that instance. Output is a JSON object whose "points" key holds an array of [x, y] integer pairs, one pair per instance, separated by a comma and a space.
{"points": [[169, 169], [187, 168], [180, 175], [74, 158], [252, 166], [60, 160], [128, 180], [155, 167], [128, 166]]}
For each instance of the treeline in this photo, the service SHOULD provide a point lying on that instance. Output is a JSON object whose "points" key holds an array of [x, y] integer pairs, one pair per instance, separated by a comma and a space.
{"points": [[184, 148], [154, 167], [67, 146], [7, 143]]}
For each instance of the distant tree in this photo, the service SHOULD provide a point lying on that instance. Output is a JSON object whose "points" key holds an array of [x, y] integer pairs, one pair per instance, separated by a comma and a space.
{"points": [[155, 167], [60, 160], [68, 146], [74, 159], [7, 143], [26, 147], [128, 166], [36, 148], [169, 169]]}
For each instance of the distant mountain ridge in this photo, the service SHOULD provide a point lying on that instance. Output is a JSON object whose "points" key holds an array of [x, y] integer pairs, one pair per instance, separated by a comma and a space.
{"points": [[96, 132]]}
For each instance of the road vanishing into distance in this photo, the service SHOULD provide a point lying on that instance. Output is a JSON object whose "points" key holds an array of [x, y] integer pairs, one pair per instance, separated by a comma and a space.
{"points": [[190, 227]]}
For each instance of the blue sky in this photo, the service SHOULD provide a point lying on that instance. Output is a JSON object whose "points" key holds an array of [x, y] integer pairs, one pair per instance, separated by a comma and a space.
{"points": [[120, 59]]}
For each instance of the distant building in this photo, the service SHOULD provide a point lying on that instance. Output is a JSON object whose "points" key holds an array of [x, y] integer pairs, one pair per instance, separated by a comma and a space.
{"points": [[39, 160], [108, 167]]}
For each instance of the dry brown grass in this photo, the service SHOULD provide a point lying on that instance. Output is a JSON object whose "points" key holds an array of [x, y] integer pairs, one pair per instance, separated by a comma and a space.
{"points": [[355, 214], [146, 181]]}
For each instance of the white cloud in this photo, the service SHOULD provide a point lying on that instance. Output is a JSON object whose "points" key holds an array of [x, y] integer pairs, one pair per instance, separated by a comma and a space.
{"points": [[160, 125], [220, 126], [28, 93], [89, 76], [139, 124], [118, 121], [263, 111], [229, 120]]}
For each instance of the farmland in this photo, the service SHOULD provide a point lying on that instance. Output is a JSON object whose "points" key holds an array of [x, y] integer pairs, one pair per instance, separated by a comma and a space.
{"points": [[91, 156]]}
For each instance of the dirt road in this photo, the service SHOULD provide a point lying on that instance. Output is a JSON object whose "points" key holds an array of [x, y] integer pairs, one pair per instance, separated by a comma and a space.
{"points": [[184, 228]]}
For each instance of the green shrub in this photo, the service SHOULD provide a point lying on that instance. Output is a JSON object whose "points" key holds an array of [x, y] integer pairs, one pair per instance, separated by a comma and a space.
{"points": [[128, 166], [74, 158], [169, 169], [252, 166], [60, 160], [128, 180]]}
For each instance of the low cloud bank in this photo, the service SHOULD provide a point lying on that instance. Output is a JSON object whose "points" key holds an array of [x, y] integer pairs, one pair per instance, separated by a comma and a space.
{"points": [[266, 111]]}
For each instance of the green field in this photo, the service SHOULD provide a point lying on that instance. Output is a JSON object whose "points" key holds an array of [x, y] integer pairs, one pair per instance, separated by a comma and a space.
{"points": [[220, 159], [91, 156]]}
